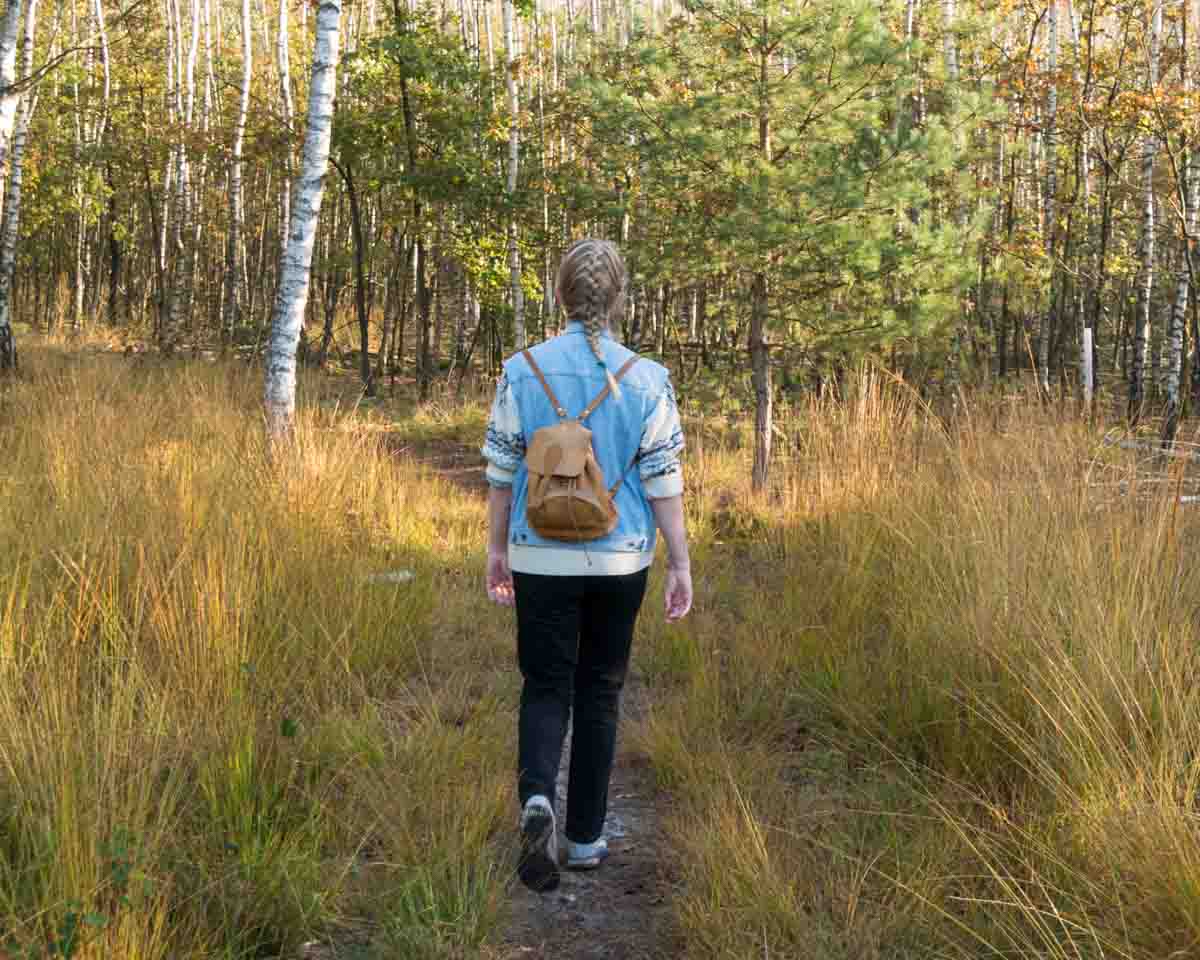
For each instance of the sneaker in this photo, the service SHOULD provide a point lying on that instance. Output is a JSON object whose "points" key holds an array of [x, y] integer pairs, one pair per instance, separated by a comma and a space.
{"points": [[586, 856], [538, 868]]}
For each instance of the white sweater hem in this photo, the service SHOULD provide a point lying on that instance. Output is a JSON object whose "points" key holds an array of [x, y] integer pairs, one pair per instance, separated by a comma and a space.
{"points": [[559, 562]]}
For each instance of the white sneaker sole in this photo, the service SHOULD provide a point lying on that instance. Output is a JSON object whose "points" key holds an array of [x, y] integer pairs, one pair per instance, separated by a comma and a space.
{"points": [[587, 863]]}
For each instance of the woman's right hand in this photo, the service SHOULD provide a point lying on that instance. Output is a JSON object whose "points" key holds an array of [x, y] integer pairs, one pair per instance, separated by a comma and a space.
{"points": [[678, 593], [499, 579]]}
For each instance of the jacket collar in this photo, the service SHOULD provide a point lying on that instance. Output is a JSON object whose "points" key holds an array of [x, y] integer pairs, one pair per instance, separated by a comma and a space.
{"points": [[576, 326]]}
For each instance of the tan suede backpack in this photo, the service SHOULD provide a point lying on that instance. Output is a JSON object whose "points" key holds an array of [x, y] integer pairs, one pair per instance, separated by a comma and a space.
{"points": [[567, 496]]}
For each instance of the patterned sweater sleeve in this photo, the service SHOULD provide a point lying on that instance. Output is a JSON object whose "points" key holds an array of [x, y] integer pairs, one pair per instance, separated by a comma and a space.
{"points": [[662, 442], [504, 445]]}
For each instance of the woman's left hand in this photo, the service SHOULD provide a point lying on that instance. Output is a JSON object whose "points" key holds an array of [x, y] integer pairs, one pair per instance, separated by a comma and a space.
{"points": [[499, 580]]}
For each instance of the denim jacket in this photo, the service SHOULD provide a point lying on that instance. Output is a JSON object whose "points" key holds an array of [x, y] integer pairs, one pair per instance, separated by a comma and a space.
{"points": [[640, 428]]}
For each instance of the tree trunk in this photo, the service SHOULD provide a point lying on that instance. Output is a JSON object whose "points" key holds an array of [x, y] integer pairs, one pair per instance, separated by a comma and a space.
{"points": [[295, 268], [1050, 146], [12, 199], [421, 287], [285, 101], [231, 308], [1189, 194], [759, 358], [1145, 282], [761, 375], [514, 153], [360, 280], [9, 31]]}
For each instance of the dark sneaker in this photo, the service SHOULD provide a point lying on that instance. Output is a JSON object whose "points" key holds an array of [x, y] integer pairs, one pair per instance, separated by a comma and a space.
{"points": [[538, 868]]}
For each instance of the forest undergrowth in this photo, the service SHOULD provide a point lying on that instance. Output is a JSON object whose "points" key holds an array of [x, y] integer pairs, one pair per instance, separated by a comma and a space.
{"points": [[936, 698]]}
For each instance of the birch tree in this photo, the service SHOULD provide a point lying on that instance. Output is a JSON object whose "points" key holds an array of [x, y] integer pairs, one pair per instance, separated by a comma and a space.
{"points": [[514, 148], [285, 102], [10, 28], [12, 198], [1189, 190], [231, 310], [1145, 280], [295, 268], [1050, 215], [183, 104]]}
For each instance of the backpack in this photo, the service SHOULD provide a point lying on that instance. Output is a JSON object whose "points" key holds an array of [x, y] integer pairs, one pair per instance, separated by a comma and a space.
{"points": [[567, 496]]}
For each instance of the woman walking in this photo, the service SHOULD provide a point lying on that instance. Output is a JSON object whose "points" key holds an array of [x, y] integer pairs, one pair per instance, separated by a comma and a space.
{"points": [[571, 537]]}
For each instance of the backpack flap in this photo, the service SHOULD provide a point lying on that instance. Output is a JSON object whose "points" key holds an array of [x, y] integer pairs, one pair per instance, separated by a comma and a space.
{"points": [[560, 451]]}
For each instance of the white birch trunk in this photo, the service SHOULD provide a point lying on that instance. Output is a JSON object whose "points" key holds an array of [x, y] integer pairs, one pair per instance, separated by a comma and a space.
{"points": [[950, 55], [285, 98], [1050, 146], [296, 265], [548, 305], [81, 134], [12, 198], [9, 32], [514, 153], [1145, 280], [949, 41], [1190, 194], [1086, 368], [231, 311], [178, 299], [106, 70], [491, 44]]}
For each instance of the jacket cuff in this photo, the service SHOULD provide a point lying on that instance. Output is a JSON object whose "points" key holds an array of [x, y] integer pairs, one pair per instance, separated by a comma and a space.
{"points": [[664, 487], [498, 476]]}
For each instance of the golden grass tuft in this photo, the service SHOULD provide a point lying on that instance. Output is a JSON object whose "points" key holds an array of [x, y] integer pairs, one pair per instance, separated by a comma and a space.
{"points": [[218, 735], [938, 696]]}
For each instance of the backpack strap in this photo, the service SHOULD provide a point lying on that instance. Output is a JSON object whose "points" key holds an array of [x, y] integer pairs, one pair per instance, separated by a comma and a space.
{"points": [[562, 414], [612, 491], [591, 407]]}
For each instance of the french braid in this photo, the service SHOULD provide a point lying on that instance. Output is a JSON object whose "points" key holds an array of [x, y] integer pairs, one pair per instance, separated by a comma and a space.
{"points": [[591, 288]]}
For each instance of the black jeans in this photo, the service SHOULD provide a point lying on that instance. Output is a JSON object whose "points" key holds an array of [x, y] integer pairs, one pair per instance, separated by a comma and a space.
{"points": [[573, 640]]}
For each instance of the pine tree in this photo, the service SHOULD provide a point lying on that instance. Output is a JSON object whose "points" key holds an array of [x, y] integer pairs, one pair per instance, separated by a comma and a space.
{"points": [[783, 163]]}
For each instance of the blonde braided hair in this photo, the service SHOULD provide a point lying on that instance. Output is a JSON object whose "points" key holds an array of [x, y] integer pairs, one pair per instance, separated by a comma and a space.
{"points": [[591, 288]]}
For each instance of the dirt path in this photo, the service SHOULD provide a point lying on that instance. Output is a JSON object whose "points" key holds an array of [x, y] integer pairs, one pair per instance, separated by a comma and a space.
{"points": [[619, 912]]}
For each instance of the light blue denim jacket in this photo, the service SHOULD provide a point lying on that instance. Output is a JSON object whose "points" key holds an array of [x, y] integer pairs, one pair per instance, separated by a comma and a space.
{"points": [[643, 423]]}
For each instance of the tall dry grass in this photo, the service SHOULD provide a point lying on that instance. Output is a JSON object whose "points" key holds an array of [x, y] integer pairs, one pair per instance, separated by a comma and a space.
{"points": [[939, 697], [218, 735], [936, 699]]}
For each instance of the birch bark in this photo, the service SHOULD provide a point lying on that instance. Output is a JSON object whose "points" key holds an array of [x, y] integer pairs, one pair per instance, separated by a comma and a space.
{"points": [[9, 33], [12, 199], [231, 309], [295, 267], [285, 100], [950, 55], [514, 155], [1145, 280], [1050, 146], [760, 359], [179, 284], [1189, 190]]}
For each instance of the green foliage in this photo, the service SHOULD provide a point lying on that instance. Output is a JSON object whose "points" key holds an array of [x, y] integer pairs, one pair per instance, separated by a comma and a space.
{"points": [[792, 167]]}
